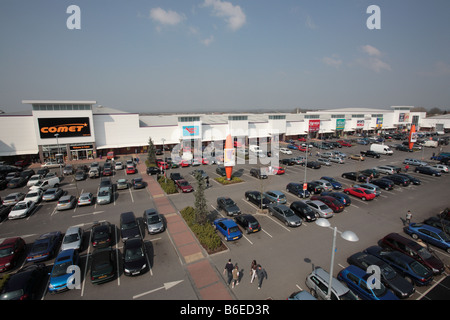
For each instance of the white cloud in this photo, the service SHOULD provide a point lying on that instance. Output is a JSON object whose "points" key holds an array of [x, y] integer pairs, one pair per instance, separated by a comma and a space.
{"points": [[310, 23], [332, 61], [207, 41], [234, 16], [373, 62], [371, 51], [164, 17]]}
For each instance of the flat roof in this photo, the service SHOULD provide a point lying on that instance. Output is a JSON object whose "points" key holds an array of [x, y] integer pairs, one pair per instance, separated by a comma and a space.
{"points": [[90, 102]]}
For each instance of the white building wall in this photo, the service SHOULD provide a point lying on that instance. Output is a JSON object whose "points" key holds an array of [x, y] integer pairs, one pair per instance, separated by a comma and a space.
{"points": [[17, 136]]}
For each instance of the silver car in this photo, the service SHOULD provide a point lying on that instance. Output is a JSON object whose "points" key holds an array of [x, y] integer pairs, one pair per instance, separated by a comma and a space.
{"points": [[336, 160], [276, 196], [86, 199], [385, 169], [320, 208], [153, 221], [12, 198], [285, 214], [318, 282], [66, 202], [326, 185], [72, 238], [368, 186], [415, 162], [324, 162], [68, 169], [52, 194], [104, 195]]}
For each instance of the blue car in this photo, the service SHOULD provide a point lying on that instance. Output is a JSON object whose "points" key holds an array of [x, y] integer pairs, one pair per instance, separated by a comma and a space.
{"points": [[342, 197], [336, 185], [357, 280], [228, 228], [45, 246], [59, 275], [412, 270], [429, 234], [297, 189]]}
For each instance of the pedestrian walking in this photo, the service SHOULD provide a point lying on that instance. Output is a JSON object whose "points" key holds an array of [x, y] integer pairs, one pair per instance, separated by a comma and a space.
{"points": [[261, 273], [229, 270], [235, 274], [408, 217], [253, 271], [406, 168]]}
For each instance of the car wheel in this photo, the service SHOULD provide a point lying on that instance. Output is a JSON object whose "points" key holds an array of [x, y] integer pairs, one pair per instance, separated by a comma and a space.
{"points": [[364, 198], [314, 293], [410, 280], [346, 192], [415, 236]]}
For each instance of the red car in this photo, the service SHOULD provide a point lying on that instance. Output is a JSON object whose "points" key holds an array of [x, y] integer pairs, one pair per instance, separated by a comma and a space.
{"points": [[303, 149], [278, 170], [184, 163], [364, 194], [131, 170], [333, 203], [162, 164], [107, 172], [183, 185], [344, 143], [205, 161], [10, 251], [22, 163], [302, 139]]}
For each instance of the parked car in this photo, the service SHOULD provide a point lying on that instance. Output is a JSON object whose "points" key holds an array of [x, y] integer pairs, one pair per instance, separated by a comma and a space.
{"points": [[138, 183], [59, 277], [134, 257], [68, 169], [118, 165], [326, 185], [388, 276], [184, 185], [297, 189], [428, 170], [52, 164], [303, 211], [103, 265], [12, 198], [17, 182], [383, 183], [414, 162], [11, 250], [356, 157], [278, 170], [439, 223], [385, 169], [285, 215], [331, 202], [361, 193], [101, 234], [104, 195], [153, 221], [154, 170], [248, 222], [334, 183], [275, 196], [285, 151], [228, 205], [413, 271], [318, 282], [370, 153], [66, 202], [429, 234], [344, 143], [129, 227], [228, 228], [440, 167], [25, 284], [86, 199], [398, 179], [312, 164], [130, 170], [374, 188], [34, 195], [257, 199], [220, 170], [52, 194], [320, 208], [288, 162], [22, 209], [342, 197], [34, 179], [45, 246], [357, 280], [258, 173], [314, 187], [394, 241], [73, 238], [373, 173], [122, 184], [301, 295], [80, 175], [354, 176]]}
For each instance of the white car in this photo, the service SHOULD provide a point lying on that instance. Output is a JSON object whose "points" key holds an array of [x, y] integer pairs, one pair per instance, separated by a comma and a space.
{"points": [[21, 209], [385, 169], [440, 167], [72, 238], [34, 195], [51, 164], [34, 179], [285, 151], [336, 160], [118, 165]]}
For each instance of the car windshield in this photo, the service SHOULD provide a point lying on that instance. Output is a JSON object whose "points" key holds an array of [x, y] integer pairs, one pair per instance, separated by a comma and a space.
{"points": [[32, 195], [11, 295], [288, 213], [388, 272], [61, 268], [229, 202], [39, 247], [20, 206], [184, 183], [445, 237], [323, 207], [84, 197], [50, 192], [133, 254], [153, 219], [64, 200], [6, 252], [234, 229], [131, 225], [71, 238], [420, 269]]}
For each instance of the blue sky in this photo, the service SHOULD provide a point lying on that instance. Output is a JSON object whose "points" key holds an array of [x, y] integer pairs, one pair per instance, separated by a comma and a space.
{"points": [[217, 55]]}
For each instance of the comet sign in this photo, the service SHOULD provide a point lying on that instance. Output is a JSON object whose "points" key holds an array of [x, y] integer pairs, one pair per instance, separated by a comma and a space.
{"points": [[64, 127]]}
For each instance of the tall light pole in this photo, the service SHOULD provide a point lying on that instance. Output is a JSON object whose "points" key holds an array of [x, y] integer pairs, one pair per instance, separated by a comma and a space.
{"points": [[347, 235], [59, 152]]}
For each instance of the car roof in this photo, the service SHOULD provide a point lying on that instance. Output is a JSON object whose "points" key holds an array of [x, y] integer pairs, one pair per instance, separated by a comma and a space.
{"points": [[338, 287], [72, 229], [66, 197]]}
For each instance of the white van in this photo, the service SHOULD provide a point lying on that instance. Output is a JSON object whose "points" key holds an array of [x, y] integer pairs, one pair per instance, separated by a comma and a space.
{"points": [[46, 184], [256, 149], [381, 148], [430, 143]]}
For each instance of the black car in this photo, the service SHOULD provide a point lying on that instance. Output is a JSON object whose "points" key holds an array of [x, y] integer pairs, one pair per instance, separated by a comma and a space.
{"points": [[25, 284], [297, 189], [398, 179], [383, 183], [412, 179], [176, 176], [427, 170], [313, 164], [257, 173], [228, 205], [4, 211], [129, 227], [370, 153], [352, 176], [80, 175], [256, 198], [439, 223], [248, 222], [314, 187], [102, 234], [389, 277], [370, 173], [288, 162], [303, 211], [221, 171], [16, 182], [153, 170], [3, 184], [103, 265], [26, 174], [134, 257], [401, 147]]}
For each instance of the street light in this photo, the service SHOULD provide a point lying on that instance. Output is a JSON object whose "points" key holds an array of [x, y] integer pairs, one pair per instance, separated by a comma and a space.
{"points": [[59, 152], [347, 235]]}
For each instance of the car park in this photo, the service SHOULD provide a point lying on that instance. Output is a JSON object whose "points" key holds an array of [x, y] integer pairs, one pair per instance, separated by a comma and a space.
{"points": [[275, 196], [22, 209], [129, 227], [320, 208], [342, 197], [248, 222], [383, 183], [73, 238], [334, 183], [66, 202], [361, 193], [354, 176], [59, 277], [358, 281], [34, 195], [429, 234], [85, 199], [101, 234], [395, 241], [427, 170], [24, 284], [285, 215], [413, 271], [153, 221], [318, 282], [11, 250], [228, 228], [257, 199], [45, 246], [297, 189], [134, 257], [388, 276], [184, 185], [228, 205], [103, 265], [331, 202]]}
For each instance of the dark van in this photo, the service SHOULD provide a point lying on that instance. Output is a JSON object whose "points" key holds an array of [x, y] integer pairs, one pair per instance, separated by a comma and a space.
{"points": [[129, 227]]}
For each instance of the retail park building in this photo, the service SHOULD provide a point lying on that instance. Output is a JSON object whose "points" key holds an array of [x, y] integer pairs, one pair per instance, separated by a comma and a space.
{"points": [[84, 129]]}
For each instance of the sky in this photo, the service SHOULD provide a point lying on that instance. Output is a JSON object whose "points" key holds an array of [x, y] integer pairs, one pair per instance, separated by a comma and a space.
{"points": [[226, 56]]}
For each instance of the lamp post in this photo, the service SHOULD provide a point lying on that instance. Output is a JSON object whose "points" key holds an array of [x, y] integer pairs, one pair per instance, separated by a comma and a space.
{"points": [[347, 235], [59, 152]]}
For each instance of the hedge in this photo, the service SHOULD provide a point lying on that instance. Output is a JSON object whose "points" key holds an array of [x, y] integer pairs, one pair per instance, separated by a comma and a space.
{"points": [[167, 185]]}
